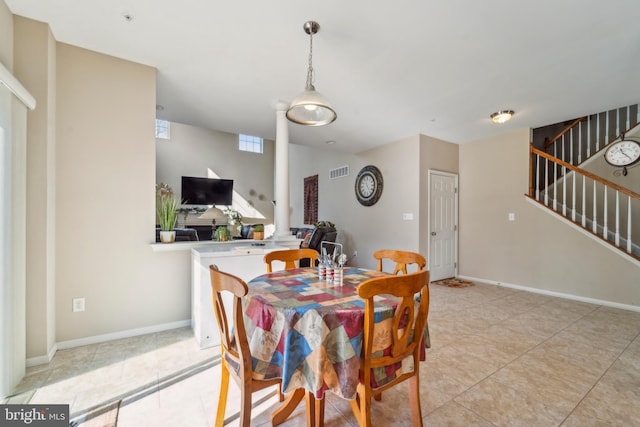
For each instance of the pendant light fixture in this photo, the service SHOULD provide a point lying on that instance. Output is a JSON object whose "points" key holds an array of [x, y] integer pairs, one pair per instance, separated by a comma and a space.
{"points": [[310, 108]]}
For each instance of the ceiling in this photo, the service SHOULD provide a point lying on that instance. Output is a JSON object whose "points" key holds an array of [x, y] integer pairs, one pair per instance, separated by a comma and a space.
{"points": [[390, 69]]}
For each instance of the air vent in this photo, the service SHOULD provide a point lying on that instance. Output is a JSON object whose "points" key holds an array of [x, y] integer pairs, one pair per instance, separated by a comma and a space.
{"points": [[340, 172]]}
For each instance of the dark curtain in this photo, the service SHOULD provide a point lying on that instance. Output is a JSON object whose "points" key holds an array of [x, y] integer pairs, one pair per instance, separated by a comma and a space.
{"points": [[311, 199]]}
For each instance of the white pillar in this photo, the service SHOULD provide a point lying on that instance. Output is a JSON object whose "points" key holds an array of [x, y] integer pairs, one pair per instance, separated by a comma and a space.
{"points": [[282, 231]]}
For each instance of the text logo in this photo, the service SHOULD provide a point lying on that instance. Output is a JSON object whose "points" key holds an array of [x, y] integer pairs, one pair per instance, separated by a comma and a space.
{"points": [[34, 415]]}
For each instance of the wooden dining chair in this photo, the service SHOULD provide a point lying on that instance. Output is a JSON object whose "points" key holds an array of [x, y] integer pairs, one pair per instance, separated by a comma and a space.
{"points": [[236, 355], [405, 336], [290, 256], [401, 258]]}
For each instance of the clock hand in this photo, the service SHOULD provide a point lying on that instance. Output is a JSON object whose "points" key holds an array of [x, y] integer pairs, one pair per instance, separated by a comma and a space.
{"points": [[624, 154]]}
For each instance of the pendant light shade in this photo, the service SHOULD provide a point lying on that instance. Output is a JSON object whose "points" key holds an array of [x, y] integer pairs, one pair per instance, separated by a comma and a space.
{"points": [[310, 108]]}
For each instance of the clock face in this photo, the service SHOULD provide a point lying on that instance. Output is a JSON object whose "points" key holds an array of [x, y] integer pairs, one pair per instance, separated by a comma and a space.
{"points": [[368, 185], [623, 153]]}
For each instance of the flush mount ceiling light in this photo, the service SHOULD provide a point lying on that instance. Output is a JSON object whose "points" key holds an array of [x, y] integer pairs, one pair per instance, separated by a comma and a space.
{"points": [[310, 108], [502, 116]]}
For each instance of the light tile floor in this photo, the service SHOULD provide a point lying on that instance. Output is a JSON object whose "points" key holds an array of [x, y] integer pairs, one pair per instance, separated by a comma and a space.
{"points": [[499, 357]]}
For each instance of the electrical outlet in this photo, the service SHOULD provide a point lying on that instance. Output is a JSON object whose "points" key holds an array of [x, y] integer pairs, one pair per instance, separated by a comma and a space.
{"points": [[355, 254], [78, 304]]}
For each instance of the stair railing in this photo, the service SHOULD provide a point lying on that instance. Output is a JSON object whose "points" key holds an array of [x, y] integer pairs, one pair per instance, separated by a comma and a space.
{"points": [[585, 136], [560, 137], [599, 206]]}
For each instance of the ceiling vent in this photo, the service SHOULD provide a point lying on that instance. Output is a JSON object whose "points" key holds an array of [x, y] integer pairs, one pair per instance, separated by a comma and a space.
{"points": [[340, 172]]}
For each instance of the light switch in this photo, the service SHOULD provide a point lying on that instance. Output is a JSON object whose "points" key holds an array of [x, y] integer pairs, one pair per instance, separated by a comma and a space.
{"points": [[512, 216], [407, 216]]}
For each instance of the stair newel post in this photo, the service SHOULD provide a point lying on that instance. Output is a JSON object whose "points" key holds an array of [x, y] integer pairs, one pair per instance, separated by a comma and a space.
{"points": [[531, 154]]}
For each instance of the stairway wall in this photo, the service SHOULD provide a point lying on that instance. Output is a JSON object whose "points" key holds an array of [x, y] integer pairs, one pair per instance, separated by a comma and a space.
{"points": [[537, 250]]}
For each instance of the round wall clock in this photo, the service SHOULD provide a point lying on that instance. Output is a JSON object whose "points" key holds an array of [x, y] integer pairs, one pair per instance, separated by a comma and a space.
{"points": [[623, 153], [368, 185]]}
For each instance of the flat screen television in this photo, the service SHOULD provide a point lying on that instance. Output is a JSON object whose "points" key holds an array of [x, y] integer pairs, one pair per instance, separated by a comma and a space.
{"points": [[206, 191]]}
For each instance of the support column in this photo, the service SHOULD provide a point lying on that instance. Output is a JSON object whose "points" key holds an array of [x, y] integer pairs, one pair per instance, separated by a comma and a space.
{"points": [[282, 231]]}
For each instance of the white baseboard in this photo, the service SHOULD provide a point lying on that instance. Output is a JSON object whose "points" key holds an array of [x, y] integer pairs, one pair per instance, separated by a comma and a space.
{"points": [[97, 339], [554, 294], [42, 360]]}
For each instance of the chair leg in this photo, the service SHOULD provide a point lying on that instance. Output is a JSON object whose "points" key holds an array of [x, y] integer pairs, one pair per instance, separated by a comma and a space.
{"points": [[365, 410], [355, 408], [245, 407], [311, 409], [414, 400], [361, 407], [319, 412], [222, 400]]}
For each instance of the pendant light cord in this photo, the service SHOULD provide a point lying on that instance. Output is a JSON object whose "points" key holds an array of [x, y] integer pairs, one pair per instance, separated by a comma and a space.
{"points": [[310, 68]]}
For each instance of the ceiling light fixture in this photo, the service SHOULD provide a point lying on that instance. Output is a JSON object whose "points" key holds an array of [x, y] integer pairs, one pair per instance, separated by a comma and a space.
{"points": [[310, 108], [502, 116]]}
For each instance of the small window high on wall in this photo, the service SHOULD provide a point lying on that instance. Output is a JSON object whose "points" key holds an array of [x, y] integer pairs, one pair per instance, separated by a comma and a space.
{"points": [[250, 143], [162, 129]]}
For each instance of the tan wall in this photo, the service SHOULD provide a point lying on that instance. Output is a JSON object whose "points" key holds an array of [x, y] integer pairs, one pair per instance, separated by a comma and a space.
{"points": [[362, 228], [6, 36], [536, 250], [335, 197], [35, 66], [436, 155], [13, 208], [105, 201], [381, 225]]}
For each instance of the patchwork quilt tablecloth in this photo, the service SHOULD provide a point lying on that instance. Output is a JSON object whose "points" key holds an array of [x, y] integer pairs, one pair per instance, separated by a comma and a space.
{"points": [[309, 332]]}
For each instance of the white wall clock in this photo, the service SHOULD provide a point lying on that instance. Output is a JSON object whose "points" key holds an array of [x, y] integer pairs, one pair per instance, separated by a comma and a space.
{"points": [[623, 153], [368, 185]]}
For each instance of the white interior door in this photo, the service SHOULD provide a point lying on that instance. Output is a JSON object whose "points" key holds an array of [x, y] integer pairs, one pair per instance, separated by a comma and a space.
{"points": [[443, 225]]}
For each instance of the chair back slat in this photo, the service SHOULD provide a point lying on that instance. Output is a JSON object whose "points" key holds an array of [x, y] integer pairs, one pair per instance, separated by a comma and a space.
{"points": [[401, 258], [289, 257]]}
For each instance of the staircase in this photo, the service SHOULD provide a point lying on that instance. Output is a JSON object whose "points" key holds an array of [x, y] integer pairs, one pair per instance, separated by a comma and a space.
{"points": [[562, 179]]}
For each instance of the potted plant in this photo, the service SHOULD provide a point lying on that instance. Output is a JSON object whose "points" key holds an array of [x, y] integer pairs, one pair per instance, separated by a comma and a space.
{"points": [[325, 224], [234, 220], [258, 232], [222, 233], [167, 211]]}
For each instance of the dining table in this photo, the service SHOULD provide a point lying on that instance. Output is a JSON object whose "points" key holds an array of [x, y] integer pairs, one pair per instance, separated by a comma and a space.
{"points": [[308, 331]]}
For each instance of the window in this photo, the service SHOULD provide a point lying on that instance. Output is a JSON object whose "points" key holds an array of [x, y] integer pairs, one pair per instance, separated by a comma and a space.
{"points": [[250, 143], [162, 129]]}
